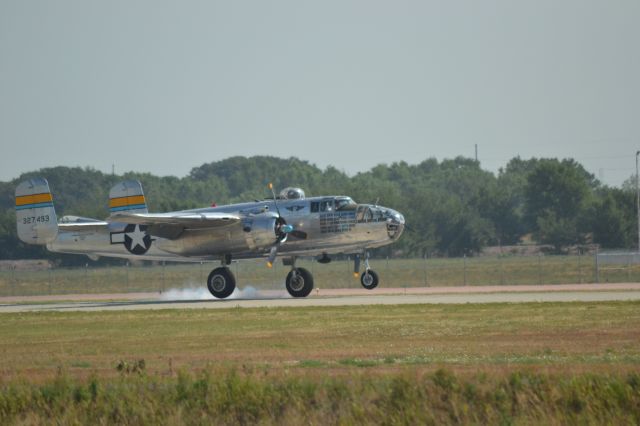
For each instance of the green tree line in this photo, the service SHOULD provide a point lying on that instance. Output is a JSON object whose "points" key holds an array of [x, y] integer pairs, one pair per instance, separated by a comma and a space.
{"points": [[452, 207]]}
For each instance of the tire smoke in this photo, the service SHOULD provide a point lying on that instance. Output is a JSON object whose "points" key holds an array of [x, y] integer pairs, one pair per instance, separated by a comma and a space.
{"points": [[199, 292]]}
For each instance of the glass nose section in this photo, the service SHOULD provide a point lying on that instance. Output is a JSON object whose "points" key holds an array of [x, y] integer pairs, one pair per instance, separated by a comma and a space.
{"points": [[393, 219], [395, 223], [397, 217]]}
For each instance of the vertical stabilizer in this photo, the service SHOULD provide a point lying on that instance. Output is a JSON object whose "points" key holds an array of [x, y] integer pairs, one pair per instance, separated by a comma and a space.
{"points": [[36, 217], [127, 197]]}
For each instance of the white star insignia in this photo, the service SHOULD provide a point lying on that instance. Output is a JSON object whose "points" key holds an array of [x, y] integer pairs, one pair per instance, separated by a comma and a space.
{"points": [[137, 238]]}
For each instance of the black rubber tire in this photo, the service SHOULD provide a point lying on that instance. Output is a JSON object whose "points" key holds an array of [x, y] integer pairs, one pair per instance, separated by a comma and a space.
{"points": [[221, 282], [369, 279], [302, 285]]}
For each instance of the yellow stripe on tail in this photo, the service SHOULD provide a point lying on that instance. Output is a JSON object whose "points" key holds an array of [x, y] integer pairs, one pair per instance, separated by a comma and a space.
{"points": [[127, 197]]}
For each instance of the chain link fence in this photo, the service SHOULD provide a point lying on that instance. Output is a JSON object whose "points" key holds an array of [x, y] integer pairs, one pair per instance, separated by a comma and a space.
{"points": [[617, 266], [19, 280]]}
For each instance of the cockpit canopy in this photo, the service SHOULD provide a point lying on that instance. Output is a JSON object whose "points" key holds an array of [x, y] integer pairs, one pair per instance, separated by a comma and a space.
{"points": [[345, 203], [292, 194], [333, 204]]}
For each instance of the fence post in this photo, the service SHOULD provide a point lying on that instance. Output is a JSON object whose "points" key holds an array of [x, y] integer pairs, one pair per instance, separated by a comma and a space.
{"points": [[348, 281], [579, 267], [163, 277], [464, 259], [426, 280], [312, 271], [274, 276], [539, 268], [501, 269], [13, 280], [597, 267], [86, 278]]}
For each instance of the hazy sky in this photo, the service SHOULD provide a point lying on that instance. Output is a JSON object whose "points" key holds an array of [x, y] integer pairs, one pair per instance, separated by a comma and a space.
{"points": [[164, 86]]}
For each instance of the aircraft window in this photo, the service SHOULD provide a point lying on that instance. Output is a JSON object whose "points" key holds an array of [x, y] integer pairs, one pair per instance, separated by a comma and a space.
{"points": [[326, 206], [315, 207], [360, 214], [368, 216], [345, 204]]}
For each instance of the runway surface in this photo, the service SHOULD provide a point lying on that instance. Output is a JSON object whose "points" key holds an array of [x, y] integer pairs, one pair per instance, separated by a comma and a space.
{"points": [[340, 297]]}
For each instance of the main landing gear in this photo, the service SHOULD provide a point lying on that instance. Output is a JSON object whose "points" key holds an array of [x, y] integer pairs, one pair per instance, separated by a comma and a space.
{"points": [[299, 281], [221, 282]]}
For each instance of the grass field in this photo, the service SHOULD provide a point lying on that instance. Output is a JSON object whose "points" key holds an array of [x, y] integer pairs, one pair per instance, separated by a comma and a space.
{"points": [[338, 274], [491, 363]]}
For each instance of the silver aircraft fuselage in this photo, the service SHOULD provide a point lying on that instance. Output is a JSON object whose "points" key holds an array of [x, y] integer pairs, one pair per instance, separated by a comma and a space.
{"points": [[332, 224]]}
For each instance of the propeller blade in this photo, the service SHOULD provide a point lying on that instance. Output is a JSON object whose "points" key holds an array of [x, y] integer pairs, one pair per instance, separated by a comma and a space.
{"points": [[356, 265], [275, 201], [272, 255]]}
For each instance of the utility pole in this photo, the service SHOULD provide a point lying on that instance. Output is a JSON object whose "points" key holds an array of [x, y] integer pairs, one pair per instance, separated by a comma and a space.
{"points": [[476, 153]]}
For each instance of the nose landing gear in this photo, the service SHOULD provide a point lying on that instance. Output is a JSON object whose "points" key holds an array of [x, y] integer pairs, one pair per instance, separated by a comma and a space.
{"points": [[369, 278]]}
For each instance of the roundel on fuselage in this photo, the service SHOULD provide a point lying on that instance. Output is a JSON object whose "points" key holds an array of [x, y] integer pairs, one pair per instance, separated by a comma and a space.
{"points": [[136, 239]]}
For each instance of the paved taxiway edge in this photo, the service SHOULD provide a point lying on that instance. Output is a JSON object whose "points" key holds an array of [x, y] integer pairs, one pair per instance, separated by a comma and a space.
{"points": [[338, 297]]}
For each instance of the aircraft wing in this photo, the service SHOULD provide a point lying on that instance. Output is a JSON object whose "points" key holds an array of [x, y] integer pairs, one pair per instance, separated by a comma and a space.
{"points": [[172, 225], [182, 220]]}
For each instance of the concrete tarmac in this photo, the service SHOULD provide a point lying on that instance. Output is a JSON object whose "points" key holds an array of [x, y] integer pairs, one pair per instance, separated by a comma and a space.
{"points": [[340, 297]]}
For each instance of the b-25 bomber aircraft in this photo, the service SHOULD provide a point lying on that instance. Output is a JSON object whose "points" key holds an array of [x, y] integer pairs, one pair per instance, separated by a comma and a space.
{"points": [[289, 225]]}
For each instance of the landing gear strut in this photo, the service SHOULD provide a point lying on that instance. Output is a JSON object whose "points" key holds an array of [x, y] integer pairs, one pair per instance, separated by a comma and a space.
{"points": [[369, 278]]}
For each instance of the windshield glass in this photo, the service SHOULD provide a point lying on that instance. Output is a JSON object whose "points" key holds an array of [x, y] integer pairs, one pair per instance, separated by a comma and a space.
{"points": [[345, 203]]}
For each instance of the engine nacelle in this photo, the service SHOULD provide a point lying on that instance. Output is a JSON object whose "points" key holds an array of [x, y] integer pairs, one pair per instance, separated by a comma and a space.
{"points": [[260, 232]]}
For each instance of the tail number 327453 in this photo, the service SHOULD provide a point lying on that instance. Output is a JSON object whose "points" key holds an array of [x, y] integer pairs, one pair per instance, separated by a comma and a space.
{"points": [[35, 219]]}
